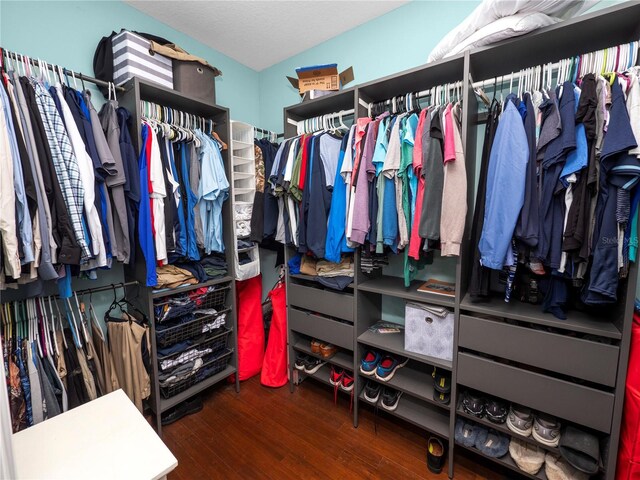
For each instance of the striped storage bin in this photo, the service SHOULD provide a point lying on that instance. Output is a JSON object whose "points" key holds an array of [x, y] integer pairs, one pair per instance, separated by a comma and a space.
{"points": [[131, 58]]}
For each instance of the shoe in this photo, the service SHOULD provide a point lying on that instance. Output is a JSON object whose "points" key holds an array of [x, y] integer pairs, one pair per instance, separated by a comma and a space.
{"points": [[580, 449], [301, 360], [492, 443], [347, 383], [370, 362], [529, 458], [466, 433], [315, 346], [388, 366], [441, 398], [496, 411], [441, 381], [546, 430], [327, 350], [473, 403], [390, 399], [372, 391], [312, 365], [335, 377], [435, 455], [188, 407], [520, 420]]}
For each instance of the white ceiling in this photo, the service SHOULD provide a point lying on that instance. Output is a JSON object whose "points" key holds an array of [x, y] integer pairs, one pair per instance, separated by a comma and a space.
{"points": [[259, 34]]}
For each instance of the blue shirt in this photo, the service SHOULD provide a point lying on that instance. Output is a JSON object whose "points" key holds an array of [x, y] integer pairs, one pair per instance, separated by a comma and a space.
{"points": [[145, 233], [213, 191], [576, 159], [336, 242]]}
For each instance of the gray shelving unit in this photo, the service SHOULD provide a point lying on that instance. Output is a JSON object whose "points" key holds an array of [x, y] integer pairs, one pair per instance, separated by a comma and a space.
{"points": [[137, 90], [574, 369]]}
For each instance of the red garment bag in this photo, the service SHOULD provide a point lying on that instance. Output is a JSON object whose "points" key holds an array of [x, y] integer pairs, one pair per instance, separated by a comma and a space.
{"points": [[629, 449], [250, 327], [274, 368]]}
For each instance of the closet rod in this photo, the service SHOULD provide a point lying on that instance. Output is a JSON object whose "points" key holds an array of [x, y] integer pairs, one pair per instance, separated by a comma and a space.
{"points": [[334, 114], [422, 94], [517, 76], [269, 132], [86, 291], [81, 76]]}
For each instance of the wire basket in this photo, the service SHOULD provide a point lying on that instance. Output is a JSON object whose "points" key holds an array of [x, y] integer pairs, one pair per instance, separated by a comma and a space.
{"points": [[215, 364], [173, 307], [215, 342], [188, 330]]}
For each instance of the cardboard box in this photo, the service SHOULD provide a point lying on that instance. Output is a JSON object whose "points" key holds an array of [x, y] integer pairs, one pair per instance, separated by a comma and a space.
{"points": [[320, 78]]}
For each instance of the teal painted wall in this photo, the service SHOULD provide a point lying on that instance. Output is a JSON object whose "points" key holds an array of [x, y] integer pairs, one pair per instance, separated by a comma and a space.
{"points": [[67, 32]]}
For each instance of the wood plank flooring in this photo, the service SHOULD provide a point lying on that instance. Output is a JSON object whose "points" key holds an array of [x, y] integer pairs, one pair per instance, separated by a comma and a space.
{"points": [[264, 433]]}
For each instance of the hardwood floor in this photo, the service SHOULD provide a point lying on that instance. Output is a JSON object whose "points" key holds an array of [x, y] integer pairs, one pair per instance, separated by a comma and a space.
{"points": [[265, 433]]}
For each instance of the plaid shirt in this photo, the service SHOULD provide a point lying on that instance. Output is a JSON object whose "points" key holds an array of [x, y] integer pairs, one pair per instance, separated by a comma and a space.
{"points": [[65, 163]]}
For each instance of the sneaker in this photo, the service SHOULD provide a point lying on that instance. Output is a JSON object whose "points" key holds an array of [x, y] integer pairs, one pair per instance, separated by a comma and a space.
{"points": [[301, 361], [372, 391], [520, 420], [335, 377], [388, 366], [474, 404], [370, 362], [390, 399], [312, 365], [435, 455], [546, 430], [496, 411], [347, 382], [327, 350], [315, 346], [183, 409]]}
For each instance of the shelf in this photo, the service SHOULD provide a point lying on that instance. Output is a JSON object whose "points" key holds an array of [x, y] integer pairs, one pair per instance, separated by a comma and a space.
{"points": [[412, 382], [507, 462], [243, 191], [243, 175], [238, 145], [394, 343], [394, 287], [526, 312], [418, 414], [310, 278], [502, 428], [187, 288], [237, 161], [246, 249], [333, 102], [171, 98], [341, 358], [167, 403]]}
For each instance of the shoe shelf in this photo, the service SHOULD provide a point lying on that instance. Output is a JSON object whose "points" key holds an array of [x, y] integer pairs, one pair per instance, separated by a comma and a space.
{"points": [[502, 428], [417, 413], [525, 312], [507, 462], [167, 403], [410, 381], [394, 343], [322, 375], [394, 287], [341, 359]]}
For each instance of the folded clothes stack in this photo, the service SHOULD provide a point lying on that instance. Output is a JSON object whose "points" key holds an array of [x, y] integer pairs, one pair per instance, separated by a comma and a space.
{"points": [[370, 262], [215, 265]]}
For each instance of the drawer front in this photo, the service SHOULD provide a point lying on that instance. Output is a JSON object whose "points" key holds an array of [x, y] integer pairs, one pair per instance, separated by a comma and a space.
{"points": [[332, 331], [576, 357], [583, 405], [339, 305]]}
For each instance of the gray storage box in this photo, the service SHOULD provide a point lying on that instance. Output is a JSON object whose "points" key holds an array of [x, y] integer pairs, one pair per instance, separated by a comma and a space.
{"points": [[195, 80], [428, 330]]}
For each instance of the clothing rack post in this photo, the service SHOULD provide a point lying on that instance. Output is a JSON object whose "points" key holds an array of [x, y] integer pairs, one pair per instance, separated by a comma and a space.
{"points": [[80, 76]]}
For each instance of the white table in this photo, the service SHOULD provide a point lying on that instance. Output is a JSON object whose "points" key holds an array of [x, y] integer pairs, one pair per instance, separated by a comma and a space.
{"points": [[107, 438]]}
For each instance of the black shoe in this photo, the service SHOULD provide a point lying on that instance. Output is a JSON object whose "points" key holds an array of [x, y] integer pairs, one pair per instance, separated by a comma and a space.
{"points": [[474, 403], [312, 365], [372, 392], [390, 399], [301, 360], [183, 409], [436, 454]]}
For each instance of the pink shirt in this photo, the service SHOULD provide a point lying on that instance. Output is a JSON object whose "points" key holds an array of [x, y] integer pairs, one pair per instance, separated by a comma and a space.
{"points": [[449, 141]]}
